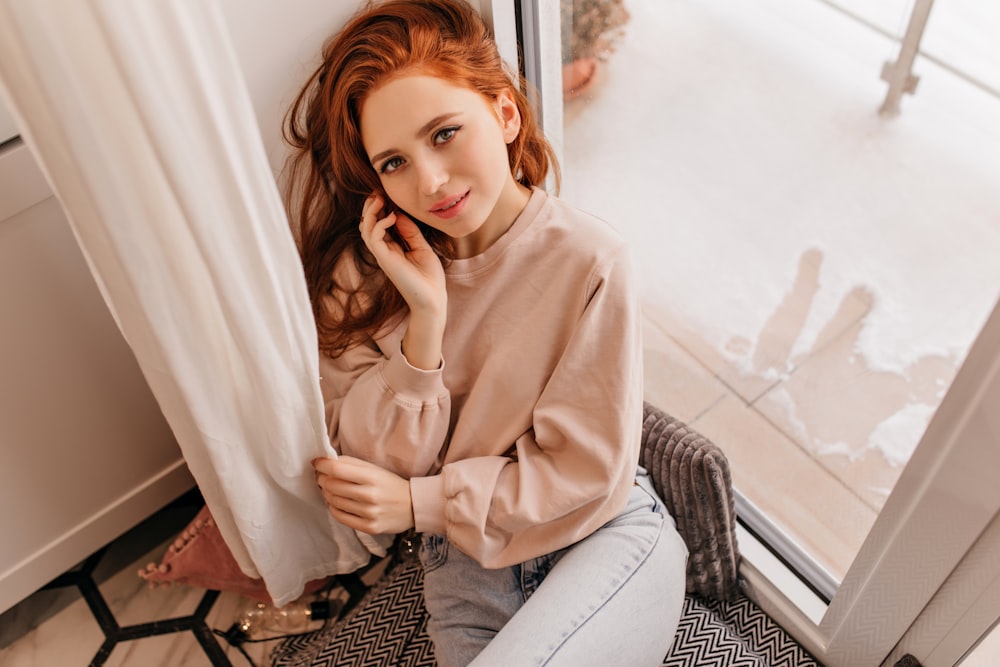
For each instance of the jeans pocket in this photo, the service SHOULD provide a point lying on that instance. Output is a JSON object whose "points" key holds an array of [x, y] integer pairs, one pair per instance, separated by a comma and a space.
{"points": [[534, 571], [645, 484], [433, 551]]}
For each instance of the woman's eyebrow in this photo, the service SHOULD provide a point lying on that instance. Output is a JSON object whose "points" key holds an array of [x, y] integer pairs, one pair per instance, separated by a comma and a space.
{"points": [[427, 127]]}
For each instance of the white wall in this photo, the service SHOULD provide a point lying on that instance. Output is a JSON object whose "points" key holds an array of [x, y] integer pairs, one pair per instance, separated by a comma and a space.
{"points": [[278, 45]]}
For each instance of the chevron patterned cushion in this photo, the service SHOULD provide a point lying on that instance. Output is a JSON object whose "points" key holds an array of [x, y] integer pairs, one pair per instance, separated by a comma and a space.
{"points": [[388, 628]]}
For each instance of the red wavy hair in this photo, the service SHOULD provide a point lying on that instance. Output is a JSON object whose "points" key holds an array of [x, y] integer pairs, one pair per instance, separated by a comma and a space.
{"points": [[329, 175]]}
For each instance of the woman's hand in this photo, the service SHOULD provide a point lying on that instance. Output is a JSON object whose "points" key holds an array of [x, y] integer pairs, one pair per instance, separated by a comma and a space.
{"points": [[417, 273], [363, 496], [415, 270]]}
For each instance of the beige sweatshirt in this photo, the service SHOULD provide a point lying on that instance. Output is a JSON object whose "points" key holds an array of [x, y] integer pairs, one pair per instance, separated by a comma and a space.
{"points": [[526, 439]]}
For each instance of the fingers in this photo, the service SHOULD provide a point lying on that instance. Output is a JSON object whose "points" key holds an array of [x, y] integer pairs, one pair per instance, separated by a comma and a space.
{"points": [[364, 496], [338, 488], [350, 512], [359, 509], [350, 520], [351, 504], [347, 478], [372, 206], [344, 497], [373, 229], [346, 468], [325, 464], [410, 232]]}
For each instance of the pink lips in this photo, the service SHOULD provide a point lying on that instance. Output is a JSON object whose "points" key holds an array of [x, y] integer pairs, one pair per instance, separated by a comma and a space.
{"points": [[450, 207]]}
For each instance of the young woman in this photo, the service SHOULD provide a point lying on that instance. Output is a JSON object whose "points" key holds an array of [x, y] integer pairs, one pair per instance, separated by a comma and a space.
{"points": [[481, 350]]}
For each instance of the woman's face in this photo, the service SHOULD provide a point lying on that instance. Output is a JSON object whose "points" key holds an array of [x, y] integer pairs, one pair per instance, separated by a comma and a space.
{"points": [[440, 151]]}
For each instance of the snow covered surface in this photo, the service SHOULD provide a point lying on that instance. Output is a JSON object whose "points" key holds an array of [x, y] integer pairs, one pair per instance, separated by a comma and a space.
{"points": [[728, 141]]}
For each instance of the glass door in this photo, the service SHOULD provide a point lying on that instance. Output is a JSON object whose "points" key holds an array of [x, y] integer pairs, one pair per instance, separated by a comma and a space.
{"points": [[815, 275]]}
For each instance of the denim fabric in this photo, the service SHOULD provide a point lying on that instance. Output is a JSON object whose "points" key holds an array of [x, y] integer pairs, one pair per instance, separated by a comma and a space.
{"points": [[614, 598]]}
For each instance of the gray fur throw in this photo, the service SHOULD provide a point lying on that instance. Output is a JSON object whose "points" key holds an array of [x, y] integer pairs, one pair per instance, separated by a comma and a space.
{"points": [[692, 476]]}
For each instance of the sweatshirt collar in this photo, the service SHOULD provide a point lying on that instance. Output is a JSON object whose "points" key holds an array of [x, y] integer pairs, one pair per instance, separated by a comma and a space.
{"points": [[474, 264]]}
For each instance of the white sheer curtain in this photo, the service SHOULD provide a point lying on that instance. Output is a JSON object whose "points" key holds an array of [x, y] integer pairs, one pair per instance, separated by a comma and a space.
{"points": [[139, 115]]}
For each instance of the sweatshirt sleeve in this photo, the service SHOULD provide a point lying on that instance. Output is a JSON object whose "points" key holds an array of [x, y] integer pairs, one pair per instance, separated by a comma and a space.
{"points": [[572, 472], [381, 409]]}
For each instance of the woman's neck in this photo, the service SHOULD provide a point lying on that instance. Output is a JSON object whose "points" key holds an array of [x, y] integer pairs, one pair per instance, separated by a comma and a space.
{"points": [[510, 204]]}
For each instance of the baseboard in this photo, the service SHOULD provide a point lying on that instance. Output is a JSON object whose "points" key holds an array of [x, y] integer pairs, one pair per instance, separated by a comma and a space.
{"points": [[64, 552]]}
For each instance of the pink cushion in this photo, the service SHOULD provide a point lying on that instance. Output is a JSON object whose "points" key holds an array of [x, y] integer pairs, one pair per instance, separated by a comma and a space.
{"points": [[199, 557]]}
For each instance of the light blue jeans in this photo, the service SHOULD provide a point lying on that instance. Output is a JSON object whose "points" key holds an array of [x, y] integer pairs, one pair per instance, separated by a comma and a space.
{"points": [[614, 598]]}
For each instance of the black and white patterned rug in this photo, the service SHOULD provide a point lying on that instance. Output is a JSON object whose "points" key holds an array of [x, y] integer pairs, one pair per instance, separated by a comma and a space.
{"points": [[388, 629]]}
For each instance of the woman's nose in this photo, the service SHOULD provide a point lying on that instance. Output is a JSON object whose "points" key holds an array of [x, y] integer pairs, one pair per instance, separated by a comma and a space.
{"points": [[433, 176]]}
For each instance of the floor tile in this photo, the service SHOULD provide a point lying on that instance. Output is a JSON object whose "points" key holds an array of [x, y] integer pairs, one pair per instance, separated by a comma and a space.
{"points": [[72, 637], [694, 343], [33, 611], [772, 351], [858, 423], [173, 650], [826, 518], [133, 600], [674, 380], [750, 367]]}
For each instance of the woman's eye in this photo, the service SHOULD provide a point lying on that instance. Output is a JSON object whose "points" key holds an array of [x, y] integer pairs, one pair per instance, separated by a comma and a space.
{"points": [[390, 165], [445, 135]]}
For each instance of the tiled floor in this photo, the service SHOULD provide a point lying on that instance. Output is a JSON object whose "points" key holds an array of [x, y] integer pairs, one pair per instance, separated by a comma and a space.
{"points": [[768, 466], [67, 634], [55, 628]]}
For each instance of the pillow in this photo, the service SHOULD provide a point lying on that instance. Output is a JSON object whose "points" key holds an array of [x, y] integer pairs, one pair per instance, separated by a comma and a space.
{"points": [[692, 476], [199, 557]]}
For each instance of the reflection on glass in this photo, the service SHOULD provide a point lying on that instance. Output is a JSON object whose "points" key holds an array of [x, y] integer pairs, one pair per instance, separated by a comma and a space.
{"points": [[961, 34], [589, 29], [813, 275]]}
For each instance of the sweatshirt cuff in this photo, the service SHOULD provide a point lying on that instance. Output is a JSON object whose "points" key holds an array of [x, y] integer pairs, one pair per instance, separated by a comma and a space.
{"points": [[427, 496], [411, 382]]}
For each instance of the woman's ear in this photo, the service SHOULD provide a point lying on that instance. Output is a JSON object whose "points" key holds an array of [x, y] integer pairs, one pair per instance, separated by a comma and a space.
{"points": [[510, 116]]}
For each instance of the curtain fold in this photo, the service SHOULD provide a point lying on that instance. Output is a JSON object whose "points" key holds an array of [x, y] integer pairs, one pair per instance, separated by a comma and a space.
{"points": [[139, 115]]}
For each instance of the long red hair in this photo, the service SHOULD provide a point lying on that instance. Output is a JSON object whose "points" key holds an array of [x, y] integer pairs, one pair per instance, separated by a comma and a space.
{"points": [[329, 175]]}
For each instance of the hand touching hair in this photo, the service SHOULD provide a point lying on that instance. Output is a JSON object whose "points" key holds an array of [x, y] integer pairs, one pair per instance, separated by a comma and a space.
{"points": [[329, 176]]}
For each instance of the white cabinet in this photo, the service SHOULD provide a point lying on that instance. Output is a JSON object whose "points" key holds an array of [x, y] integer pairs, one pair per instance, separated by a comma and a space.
{"points": [[84, 452]]}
